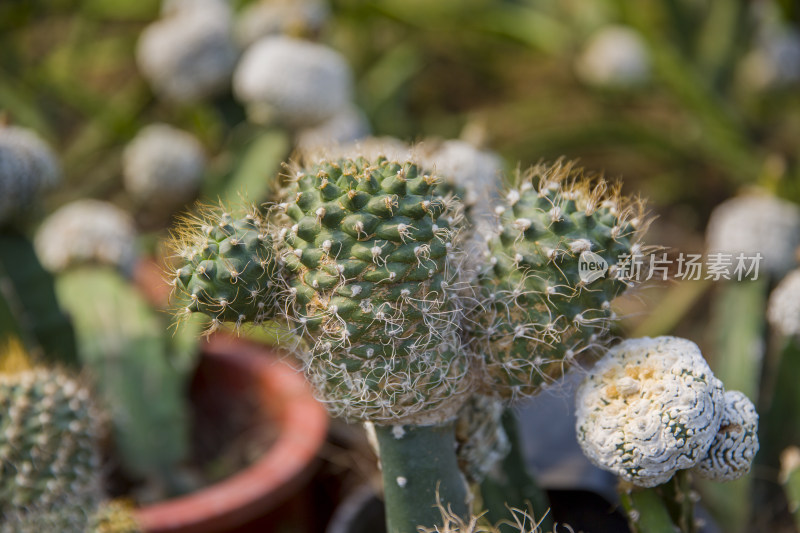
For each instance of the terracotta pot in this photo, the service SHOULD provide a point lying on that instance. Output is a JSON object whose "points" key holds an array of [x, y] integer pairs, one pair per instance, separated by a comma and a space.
{"points": [[234, 367]]}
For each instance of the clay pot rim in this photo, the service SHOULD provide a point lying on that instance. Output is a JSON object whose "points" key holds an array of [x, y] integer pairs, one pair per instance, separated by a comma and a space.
{"points": [[262, 486]]}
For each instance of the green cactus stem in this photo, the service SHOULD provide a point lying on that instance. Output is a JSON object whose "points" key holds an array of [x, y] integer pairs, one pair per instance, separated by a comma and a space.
{"points": [[646, 511], [511, 485], [29, 308], [418, 465]]}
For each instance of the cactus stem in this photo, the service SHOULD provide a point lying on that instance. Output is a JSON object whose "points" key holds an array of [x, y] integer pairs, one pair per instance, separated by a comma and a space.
{"points": [[418, 461]]}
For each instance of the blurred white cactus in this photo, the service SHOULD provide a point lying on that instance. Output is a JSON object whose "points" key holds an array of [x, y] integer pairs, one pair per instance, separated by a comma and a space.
{"points": [[649, 408], [175, 7], [345, 127], [190, 54], [163, 166], [270, 17], [298, 83], [753, 224], [736, 442], [784, 306], [27, 167], [87, 231], [615, 56]]}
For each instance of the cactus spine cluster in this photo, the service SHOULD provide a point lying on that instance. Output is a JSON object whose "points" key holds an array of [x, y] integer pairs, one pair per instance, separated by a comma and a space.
{"points": [[48, 442], [369, 249], [537, 313]]}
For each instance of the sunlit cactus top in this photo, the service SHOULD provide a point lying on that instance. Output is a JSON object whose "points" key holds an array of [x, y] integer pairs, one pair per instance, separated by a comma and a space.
{"points": [[369, 247], [537, 313]]}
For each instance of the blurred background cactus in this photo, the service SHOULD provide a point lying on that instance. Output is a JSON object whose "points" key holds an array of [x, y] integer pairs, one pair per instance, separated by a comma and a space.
{"points": [[147, 106]]}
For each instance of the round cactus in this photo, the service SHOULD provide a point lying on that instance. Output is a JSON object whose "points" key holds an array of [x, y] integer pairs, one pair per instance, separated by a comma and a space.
{"points": [[87, 231], [477, 171], [49, 449], [757, 224], [269, 17], [615, 56], [368, 247], [536, 311], [27, 167], [189, 55], [349, 125], [784, 306], [298, 83], [482, 441], [163, 166], [228, 269], [736, 442], [649, 408]]}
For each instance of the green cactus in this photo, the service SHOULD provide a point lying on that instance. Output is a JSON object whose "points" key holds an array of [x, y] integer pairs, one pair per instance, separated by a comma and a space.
{"points": [[368, 248], [537, 314], [49, 450], [228, 267]]}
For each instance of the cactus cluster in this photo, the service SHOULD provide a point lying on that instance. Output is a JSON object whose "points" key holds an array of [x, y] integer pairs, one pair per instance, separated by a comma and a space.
{"points": [[369, 249], [229, 269], [652, 407], [537, 313], [49, 452]]}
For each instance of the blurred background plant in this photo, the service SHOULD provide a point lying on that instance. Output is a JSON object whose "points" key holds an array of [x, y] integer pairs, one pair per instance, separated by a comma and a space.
{"points": [[692, 101]]}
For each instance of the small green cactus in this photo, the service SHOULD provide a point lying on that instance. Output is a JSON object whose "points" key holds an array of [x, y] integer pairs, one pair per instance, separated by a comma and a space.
{"points": [[49, 452], [537, 313], [369, 250], [228, 267]]}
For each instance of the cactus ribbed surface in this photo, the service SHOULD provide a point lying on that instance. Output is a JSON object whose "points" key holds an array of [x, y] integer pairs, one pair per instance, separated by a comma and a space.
{"points": [[368, 247], [537, 313], [228, 267], [48, 442]]}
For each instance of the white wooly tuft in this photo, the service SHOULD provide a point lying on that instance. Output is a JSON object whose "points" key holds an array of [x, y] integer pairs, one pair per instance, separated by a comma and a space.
{"points": [[87, 231], [163, 165], [298, 83], [736, 442], [756, 224], [783, 310], [27, 167], [615, 56], [189, 55], [649, 407]]}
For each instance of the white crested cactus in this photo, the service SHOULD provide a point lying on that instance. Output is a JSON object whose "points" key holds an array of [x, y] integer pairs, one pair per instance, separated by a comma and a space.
{"points": [[784, 306], [163, 167], [294, 82], [27, 167], [270, 17], [482, 441], [189, 55], [736, 443], [87, 231], [753, 224], [615, 56], [649, 408], [536, 312]]}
